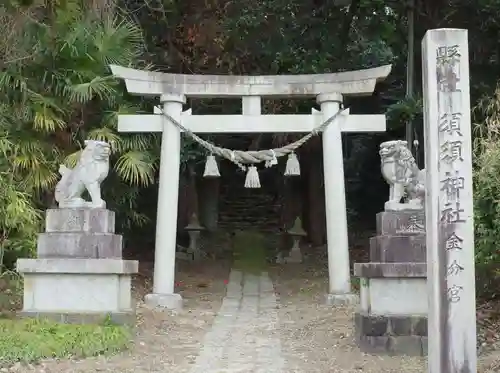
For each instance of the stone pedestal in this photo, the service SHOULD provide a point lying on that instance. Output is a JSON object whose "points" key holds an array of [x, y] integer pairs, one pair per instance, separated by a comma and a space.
{"points": [[79, 275], [294, 256], [392, 316]]}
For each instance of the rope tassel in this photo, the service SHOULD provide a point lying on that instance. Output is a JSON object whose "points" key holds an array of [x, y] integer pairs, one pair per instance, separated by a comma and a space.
{"points": [[211, 168], [273, 161], [252, 180], [292, 165]]}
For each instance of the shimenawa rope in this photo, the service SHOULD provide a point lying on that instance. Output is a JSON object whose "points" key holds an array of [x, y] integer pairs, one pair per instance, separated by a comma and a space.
{"points": [[252, 157]]}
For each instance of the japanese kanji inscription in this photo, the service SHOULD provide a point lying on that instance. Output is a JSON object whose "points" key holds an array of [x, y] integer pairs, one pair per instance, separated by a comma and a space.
{"points": [[448, 204]]}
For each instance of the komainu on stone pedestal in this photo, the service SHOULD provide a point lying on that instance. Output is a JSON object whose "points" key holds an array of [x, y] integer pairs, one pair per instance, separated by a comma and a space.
{"points": [[90, 171], [404, 177], [79, 275]]}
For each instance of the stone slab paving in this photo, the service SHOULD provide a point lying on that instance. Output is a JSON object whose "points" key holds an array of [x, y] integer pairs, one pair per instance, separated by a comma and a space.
{"points": [[245, 334]]}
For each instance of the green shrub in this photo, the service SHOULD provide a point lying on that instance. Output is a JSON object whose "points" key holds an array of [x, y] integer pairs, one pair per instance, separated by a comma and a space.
{"points": [[20, 222], [487, 198]]}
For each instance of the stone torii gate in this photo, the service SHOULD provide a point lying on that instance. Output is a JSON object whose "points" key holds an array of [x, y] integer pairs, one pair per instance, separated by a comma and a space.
{"points": [[328, 89]]}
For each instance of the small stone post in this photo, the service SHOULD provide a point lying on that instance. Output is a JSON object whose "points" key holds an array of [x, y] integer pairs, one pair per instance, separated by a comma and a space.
{"points": [[449, 207]]}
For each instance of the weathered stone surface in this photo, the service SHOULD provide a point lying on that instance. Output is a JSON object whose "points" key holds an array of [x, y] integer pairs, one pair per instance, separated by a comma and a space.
{"points": [[372, 326], [341, 299], [400, 222], [390, 270], [398, 249], [398, 296], [80, 220], [401, 325], [119, 318], [410, 345], [88, 174], [419, 326], [425, 345], [373, 345], [151, 83], [79, 245], [81, 286], [375, 326], [169, 301], [403, 345], [77, 266], [393, 335], [392, 315], [402, 174], [295, 256]]}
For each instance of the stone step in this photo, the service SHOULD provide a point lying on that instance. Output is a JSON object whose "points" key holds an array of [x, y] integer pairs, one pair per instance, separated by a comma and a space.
{"points": [[79, 245], [80, 220], [250, 212], [398, 249], [400, 222]]}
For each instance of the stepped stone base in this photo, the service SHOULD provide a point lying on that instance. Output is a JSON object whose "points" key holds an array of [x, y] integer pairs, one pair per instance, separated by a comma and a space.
{"points": [[80, 220], [391, 334], [79, 245], [392, 288], [398, 249], [78, 290], [392, 316], [390, 223]]}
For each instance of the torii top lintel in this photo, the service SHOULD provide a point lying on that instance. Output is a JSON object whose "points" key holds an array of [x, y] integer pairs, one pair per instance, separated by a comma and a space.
{"points": [[348, 83]]}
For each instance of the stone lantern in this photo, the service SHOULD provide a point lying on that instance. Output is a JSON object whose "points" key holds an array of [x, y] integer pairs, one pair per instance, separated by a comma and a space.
{"points": [[194, 230], [296, 232]]}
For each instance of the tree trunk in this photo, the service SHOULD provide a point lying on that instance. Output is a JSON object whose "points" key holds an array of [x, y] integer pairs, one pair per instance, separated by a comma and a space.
{"points": [[103, 8], [209, 202], [316, 223]]}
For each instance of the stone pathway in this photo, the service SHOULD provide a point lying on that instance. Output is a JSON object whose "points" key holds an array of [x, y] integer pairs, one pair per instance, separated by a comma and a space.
{"points": [[245, 334]]}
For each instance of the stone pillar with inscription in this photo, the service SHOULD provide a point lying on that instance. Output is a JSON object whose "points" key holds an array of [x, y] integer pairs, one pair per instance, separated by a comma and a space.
{"points": [[392, 316], [449, 206]]}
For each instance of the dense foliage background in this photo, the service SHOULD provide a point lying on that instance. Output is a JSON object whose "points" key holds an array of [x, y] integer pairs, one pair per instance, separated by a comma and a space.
{"points": [[56, 90]]}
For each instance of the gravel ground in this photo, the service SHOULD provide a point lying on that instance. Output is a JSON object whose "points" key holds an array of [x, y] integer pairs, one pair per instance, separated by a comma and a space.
{"points": [[319, 339], [314, 338]]}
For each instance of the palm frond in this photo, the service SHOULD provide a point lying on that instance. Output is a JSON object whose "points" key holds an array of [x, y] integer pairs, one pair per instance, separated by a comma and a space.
{"points": [[40, 178], [100, 87], [136, 168], [46, 120], [139, 142], [6, 146], [110, 118], [72, 159], [108, 135], [118, 42]]}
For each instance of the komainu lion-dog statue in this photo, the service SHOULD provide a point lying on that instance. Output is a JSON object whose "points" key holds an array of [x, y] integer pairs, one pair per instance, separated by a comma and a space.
{"points": [[88, 174], [404, 177]]}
